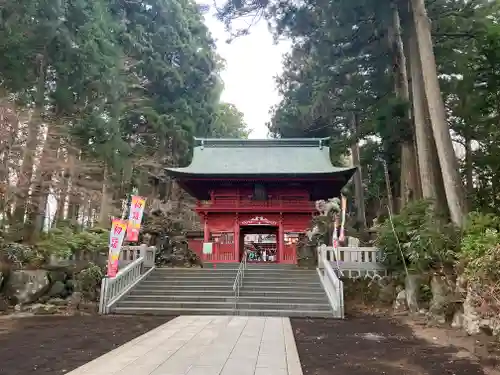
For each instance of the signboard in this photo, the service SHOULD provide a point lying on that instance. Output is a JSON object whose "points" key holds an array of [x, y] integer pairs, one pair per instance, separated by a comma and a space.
{"points": [[207, 248], [259, 220], [116, 236], [135, 217]]}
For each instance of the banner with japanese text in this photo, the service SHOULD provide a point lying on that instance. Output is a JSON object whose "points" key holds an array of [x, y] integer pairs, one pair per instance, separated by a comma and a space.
{"points": [[135, 217], [117, 234]]}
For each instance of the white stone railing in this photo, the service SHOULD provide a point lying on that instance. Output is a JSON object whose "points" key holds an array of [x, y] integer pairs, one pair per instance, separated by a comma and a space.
{"points": [[353, 261], [78, 257], [334, 287], [128, 254], [115, 288]]}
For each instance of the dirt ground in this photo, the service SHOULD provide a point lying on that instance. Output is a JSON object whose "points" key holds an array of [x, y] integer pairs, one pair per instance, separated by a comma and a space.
{"points": [[371, 345], [58, 344]]}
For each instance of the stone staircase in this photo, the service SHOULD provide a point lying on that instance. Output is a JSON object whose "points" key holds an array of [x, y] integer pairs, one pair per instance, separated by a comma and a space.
{"points": [[268, 290]]}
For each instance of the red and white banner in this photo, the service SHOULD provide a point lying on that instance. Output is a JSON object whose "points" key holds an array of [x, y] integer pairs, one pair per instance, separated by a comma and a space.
{"points": [[116, 236], [135, 217]]}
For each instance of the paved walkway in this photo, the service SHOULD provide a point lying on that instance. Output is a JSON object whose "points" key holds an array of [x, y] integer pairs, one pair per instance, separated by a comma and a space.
{"points": [[205, 345]]}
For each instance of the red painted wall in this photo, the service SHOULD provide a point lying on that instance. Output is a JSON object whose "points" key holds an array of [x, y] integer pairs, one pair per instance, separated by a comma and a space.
{"points": [[221, 222]]}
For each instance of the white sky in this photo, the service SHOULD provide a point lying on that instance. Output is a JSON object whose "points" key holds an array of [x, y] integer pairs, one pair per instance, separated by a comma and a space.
{"points": [[252, 62]]}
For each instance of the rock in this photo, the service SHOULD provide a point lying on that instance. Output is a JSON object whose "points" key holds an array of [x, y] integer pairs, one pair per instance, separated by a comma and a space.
{"points": [[474, 322], [27, 286], [70, 285], [59, 275], [58, 302], [176, 253], [75, 300], [400, 302], [44, 299], [57, 289], [41, 309], [4, 274], [458, 320], [4, 306], [412, 286], [443, 297]]}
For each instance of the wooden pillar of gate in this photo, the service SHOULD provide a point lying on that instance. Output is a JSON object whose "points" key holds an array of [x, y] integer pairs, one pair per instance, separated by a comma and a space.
{"points": [[236, 239], [281, 241], [206, 231]]}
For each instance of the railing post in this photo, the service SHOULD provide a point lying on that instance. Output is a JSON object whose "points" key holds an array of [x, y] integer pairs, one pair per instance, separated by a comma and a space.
{"points": [[103, 296]]}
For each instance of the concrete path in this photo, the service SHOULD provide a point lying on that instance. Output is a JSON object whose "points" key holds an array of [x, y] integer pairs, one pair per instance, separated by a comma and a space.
{"points": [[205, 345]]}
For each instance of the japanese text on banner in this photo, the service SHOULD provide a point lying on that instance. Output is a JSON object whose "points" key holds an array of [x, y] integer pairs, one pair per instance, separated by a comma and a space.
{"points": [[116, 236], [135, 217]]}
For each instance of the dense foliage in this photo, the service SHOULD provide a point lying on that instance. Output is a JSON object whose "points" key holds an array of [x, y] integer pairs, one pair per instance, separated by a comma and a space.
{"points": [[97, 97], [348, 77], [421, 236]]}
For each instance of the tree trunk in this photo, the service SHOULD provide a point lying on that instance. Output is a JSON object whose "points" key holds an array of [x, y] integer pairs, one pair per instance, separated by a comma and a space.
{"points": [[446, 153], [26, 172], [409, 170], [358, 178], [469, 169], [37, 212], [428, 162], [105, 198], [75, 197]]}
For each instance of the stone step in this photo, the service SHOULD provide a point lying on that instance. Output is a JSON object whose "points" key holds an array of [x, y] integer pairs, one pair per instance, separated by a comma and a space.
{"points": [[247, 275], [180, 292], [251, 283], [205, 272], [316, 293], [191, 281], [226, 305], [181, 287], [205, 311], [285, 288], [227, 298], [263, 265]]}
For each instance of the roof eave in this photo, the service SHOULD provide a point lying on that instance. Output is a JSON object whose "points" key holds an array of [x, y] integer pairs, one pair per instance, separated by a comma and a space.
{"points": [[347, 173]]}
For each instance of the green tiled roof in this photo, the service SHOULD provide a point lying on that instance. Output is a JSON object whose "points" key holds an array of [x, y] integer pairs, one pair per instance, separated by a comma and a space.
{"points": [[249, 157]]}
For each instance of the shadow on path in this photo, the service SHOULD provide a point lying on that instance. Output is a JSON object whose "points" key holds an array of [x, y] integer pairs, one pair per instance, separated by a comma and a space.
{"points": [[57, 345], [370, 345]]}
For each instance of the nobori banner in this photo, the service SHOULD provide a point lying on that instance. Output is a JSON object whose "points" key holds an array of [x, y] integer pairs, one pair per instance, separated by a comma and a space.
{"points": [[135, 217], [116, 236]]}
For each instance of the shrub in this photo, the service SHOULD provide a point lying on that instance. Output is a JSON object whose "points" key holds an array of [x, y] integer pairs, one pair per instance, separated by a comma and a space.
{"points": [[20, 255], [63, 242], [480, 247], [426, 238], [88, 281]]}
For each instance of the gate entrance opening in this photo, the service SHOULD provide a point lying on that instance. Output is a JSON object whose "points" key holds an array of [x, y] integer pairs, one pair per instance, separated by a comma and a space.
{"points": [[260, 243]]}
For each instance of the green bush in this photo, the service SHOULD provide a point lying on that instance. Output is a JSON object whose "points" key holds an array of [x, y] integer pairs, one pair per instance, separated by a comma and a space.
{"points": [[426, 238], [88, 281], [63, 242], [20, 255], [480, 247]]}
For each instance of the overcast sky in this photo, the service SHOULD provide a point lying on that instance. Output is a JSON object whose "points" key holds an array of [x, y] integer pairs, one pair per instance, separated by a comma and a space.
{"points": [[252, 62]]}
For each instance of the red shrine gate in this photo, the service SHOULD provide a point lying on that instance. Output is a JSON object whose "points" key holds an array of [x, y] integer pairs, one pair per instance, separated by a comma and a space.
{"points": [[258, 195]]}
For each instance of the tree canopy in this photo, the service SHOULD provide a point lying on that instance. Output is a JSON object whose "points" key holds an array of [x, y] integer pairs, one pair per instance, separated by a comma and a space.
{"points": [[99, 97]]}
